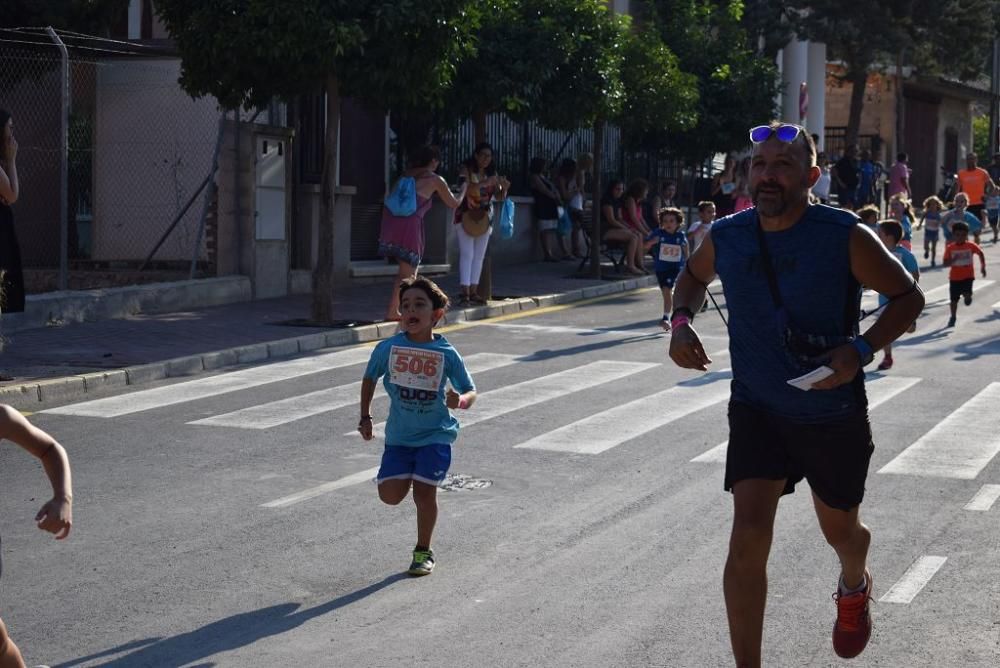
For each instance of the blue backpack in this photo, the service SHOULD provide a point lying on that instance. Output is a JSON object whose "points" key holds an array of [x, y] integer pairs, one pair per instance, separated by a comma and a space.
{"points": [[507, 219], [402, 201]]}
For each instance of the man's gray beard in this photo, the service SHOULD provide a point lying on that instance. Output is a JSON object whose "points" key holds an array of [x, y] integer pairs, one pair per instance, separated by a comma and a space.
{"points": [[772, 208]]}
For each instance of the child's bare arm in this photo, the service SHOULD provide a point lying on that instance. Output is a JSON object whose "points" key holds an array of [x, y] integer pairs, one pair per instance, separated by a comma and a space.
{"points": [[455, 400], [56, 516], [367, 393]]}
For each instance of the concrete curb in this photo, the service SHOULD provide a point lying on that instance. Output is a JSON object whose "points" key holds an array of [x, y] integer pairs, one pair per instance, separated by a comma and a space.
{"points": [[37, 395]]}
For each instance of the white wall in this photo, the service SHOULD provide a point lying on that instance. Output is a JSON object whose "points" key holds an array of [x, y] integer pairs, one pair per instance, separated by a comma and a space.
{"points": [[153, 148]]}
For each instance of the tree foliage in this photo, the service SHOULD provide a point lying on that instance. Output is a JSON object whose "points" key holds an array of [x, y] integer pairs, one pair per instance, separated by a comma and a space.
{"points": [[951, 38], [737, 87], [388, 52]]}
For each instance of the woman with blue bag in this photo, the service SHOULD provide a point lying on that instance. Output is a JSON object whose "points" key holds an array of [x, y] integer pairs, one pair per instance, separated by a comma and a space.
{"points": [[408, 201], [474, 218]]}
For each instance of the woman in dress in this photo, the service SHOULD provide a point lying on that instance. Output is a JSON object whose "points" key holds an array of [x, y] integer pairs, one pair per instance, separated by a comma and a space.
{"points": [[402, 237], [616, 230], [724, 187], [474, 218], [12, 286]]}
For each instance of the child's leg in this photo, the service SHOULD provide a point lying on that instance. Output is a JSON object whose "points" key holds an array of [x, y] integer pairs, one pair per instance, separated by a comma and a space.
{"points": [[954, 307], [10, 656], [425, 498], [668, 300], [392, 492]]}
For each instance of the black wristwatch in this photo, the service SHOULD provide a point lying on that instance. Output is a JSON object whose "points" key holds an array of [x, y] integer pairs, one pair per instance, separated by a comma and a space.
{"points": [[865, 351]]}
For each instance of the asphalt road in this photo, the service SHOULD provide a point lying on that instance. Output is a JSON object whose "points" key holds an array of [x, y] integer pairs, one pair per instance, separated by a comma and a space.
{"points": [[255, 537]]}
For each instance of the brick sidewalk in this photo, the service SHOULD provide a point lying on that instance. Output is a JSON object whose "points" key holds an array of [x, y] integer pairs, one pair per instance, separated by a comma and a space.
{"points": [[74, 361]]}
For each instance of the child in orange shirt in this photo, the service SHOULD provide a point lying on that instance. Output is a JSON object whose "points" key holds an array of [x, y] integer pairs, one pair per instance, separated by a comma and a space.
{"points": [[958, 255]]}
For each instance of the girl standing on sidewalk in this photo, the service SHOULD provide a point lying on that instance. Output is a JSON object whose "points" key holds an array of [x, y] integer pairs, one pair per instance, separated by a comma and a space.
{"points": [[474, 218], [402, 237]]}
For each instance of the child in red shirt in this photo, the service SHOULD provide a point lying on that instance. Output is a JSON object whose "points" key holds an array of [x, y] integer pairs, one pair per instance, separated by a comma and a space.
{"points": [[958, 255]]}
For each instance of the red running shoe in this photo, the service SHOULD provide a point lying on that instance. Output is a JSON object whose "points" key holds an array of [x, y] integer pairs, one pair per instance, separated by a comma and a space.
{"points": [[886, 364], [853, 627]]}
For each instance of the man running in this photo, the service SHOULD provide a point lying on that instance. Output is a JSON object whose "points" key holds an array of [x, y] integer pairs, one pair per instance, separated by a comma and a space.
{"points": [[792, 275], [973, 181]]}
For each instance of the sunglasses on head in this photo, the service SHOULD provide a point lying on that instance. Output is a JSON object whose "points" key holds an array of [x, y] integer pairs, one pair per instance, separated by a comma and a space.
{"points": [[784, 132]]}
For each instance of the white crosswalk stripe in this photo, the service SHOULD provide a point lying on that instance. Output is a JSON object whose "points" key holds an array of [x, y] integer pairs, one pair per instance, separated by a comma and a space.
{"points": [[914, 579], [984, 498], [281, 412], [624, 422], [521, 395], [959, 446], [224, 383], [879, 388]]}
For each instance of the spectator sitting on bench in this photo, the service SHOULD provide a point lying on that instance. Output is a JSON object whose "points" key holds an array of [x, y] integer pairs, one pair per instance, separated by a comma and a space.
{"points": [[615, 231]]}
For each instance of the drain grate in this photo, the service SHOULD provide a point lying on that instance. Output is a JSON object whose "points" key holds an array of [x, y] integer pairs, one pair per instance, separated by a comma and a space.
{"points": [[458, 482]]}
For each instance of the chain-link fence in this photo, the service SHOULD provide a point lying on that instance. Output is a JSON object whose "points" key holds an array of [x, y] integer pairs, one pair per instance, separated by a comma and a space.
{"points": [[138, 154]]}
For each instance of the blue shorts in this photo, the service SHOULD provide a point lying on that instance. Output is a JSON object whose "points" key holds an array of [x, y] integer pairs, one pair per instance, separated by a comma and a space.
{"points": [[667, 278], [426, 463], [931, 235]]}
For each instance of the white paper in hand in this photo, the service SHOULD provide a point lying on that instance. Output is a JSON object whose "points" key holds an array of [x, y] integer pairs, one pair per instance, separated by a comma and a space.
{"points": [[805, 382]]}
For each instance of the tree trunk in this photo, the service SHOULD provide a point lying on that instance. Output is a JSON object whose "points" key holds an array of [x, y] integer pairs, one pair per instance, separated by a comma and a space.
{"points": [[595, 218], [859, 80], [322, 278]]}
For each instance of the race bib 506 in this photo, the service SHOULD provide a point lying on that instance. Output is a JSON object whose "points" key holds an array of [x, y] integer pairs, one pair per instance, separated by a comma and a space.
{"points": [[416, 368]]}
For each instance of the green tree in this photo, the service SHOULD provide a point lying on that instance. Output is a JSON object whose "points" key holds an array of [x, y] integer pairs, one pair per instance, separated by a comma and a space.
{"points": [[737, 83], [587, 90], [936, 37], [387, 52]]}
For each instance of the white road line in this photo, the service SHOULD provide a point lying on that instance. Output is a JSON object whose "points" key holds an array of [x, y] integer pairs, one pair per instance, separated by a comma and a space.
{"points": [[624, 422], [319, 490], [272, 414], [224, 383], [879, 388], [959, 446], [530, 392], [996, 306], [984, 498], [914, 579]]}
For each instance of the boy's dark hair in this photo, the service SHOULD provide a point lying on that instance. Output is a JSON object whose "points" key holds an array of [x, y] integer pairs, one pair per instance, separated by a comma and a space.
{"points": [[704, 204], [437, 296], [671, 210], [960, 226], [868, 212], [892, 228], [902, 157]]}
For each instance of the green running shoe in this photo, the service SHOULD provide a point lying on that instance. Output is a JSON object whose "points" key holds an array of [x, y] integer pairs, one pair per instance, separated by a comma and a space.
{"points": [[423, 562]]}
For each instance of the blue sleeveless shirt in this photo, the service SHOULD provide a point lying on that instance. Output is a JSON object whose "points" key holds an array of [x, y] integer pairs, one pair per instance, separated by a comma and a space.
{"points": [[821, 297]]}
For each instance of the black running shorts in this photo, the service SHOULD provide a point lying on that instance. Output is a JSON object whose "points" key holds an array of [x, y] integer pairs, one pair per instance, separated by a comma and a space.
{"points": [[832, 456], [958, 289]]}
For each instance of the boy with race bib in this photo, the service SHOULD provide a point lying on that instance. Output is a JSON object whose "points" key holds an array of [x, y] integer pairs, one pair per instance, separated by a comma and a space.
{"points": [[671, 248], [417, 364]]}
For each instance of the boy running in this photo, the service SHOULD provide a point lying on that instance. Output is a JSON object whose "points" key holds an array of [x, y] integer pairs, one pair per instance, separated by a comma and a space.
{"points": [[671, 250], [958, 255], [56, 516], [891, 232], [417, 364]]}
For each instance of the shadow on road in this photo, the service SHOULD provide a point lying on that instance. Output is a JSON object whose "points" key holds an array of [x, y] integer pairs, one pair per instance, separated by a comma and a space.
{"points": [[226, 634]]}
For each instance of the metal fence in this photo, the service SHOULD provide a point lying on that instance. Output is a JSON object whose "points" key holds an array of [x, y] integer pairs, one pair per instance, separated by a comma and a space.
{"points": [[135, 155]]}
